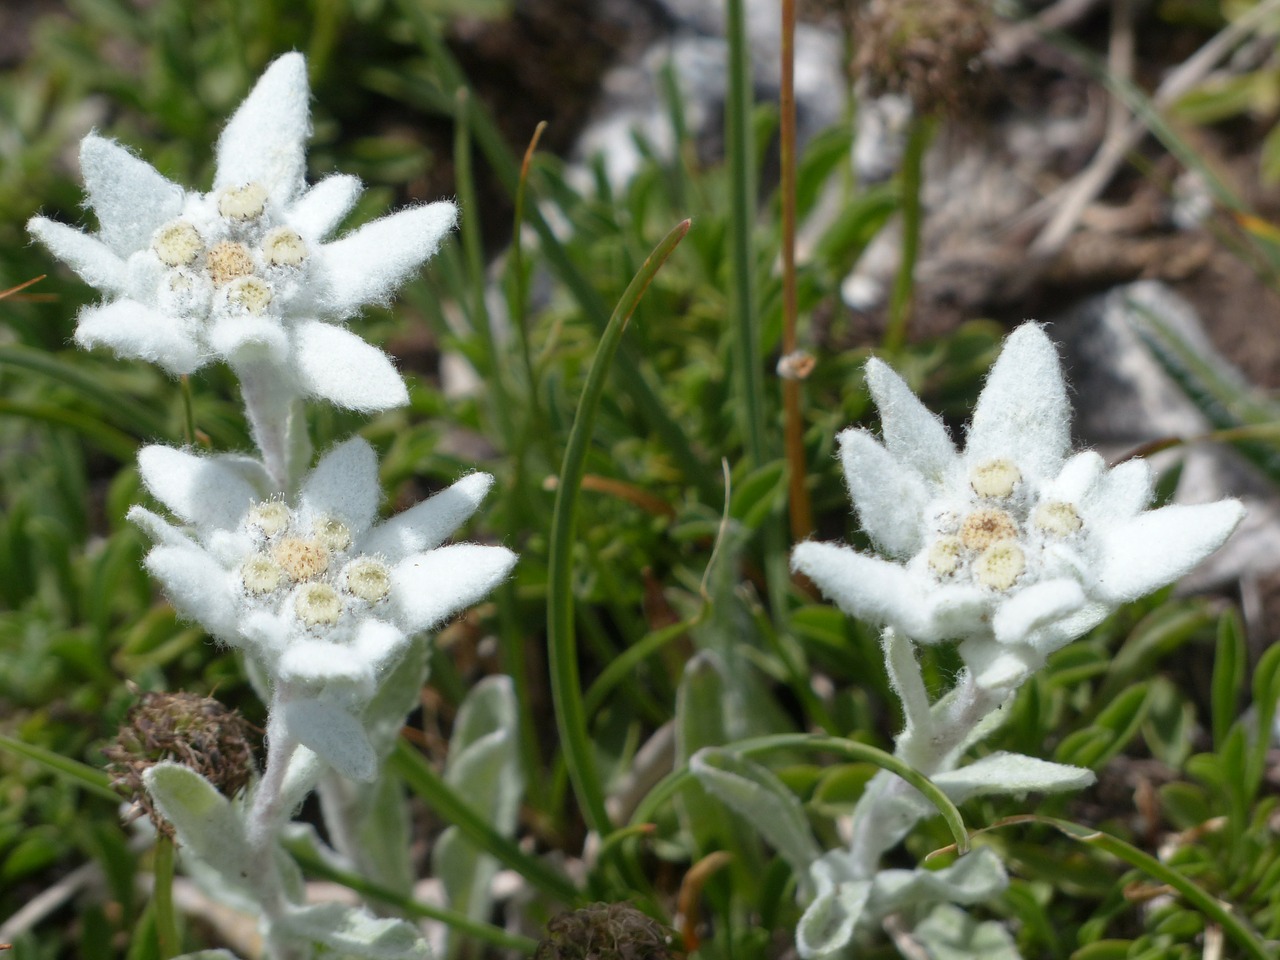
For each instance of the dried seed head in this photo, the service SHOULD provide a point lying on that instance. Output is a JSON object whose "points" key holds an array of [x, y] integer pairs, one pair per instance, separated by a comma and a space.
{"points": [[605, 931], [317, 604], [1057, 519], [252, 294], [195, 731], [368, 579], [301, 559], [177, 243], [1000, 565], [227, 261], [930, 50], [333, 533], [270, 516], [995, 479], [244, 202], [982, 528], [283, 247]]}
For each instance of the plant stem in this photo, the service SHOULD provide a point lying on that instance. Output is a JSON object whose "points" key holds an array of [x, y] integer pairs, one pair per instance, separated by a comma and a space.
{"points": [[562, 651], [800, 508], [167, 937], [903, 295], [263, 828], [275, 420]]}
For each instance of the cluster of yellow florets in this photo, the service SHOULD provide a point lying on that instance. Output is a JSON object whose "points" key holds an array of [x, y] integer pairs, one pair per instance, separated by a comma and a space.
{"points": [[309, 565], [237, 259], [991, 543]]}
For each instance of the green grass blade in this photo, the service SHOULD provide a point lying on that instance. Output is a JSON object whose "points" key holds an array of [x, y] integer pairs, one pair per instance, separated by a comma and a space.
{"points": [[126, 410], [566, 687], [438, 795], [1239, 931], [90, 778], [847, 749], [115, 442]]}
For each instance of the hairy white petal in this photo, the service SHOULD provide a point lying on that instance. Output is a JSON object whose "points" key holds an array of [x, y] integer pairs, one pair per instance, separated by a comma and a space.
{"points": [[428, 588], [1035, 606], [867, 587], [426, 525], [88, 256], [344, 485], [323, 206], [366, 266], [1023, 414], [1124, 492], [911, 432], [1158, 547], [133, 330], [200, 490], [197, 586], [245, 337], [338, 366], [160, 530], [131, 199], [890, 496], [265, 140], [1079, 476]]}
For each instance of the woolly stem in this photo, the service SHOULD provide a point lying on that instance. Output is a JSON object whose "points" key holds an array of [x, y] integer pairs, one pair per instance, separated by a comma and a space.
{"points": [[262, 830], [931, 743], [274, 411]]}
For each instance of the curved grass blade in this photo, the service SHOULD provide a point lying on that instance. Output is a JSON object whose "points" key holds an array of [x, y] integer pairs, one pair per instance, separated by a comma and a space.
{"points": [[90, 778], [1239, 931], [566, 688]]}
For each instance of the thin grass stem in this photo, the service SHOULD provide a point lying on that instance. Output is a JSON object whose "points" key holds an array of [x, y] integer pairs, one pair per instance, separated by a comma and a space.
{"points": [[902, 297], [566, 686], [167, 938]]}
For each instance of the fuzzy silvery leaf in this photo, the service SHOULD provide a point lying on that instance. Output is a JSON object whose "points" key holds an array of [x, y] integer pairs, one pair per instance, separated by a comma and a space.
{"points": [[322, 598], [354, 932], [208, 825], [754, 792], [948, 933], [847, 907], [828, 925], [1011, 773], [1012, 540], [484, 765], [245, 271]]}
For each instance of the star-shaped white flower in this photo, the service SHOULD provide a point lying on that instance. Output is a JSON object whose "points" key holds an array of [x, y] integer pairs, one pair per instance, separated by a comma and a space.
{"points": [[1015, 545], [325, 600], [244, 272]]}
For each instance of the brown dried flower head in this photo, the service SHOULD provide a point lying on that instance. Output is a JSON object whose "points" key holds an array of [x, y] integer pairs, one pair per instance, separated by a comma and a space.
{"points": [[930, 50], [605, 931], [195, 731]]}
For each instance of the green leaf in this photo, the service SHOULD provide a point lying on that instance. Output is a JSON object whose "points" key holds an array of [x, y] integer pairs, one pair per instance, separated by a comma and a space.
{"points": [[206, 822], [1104, 950], [760, 797], [759, 494], [1228, 674]]}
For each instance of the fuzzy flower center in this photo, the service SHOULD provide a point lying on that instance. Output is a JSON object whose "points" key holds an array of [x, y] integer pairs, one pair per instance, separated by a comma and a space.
{"points": [[304, 566], [999, 540], [241, 260]]}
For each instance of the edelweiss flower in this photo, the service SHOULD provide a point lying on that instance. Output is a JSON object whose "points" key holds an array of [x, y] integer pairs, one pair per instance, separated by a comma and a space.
{"points": [[1015, 546], [243, 271], [324, 600]]}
